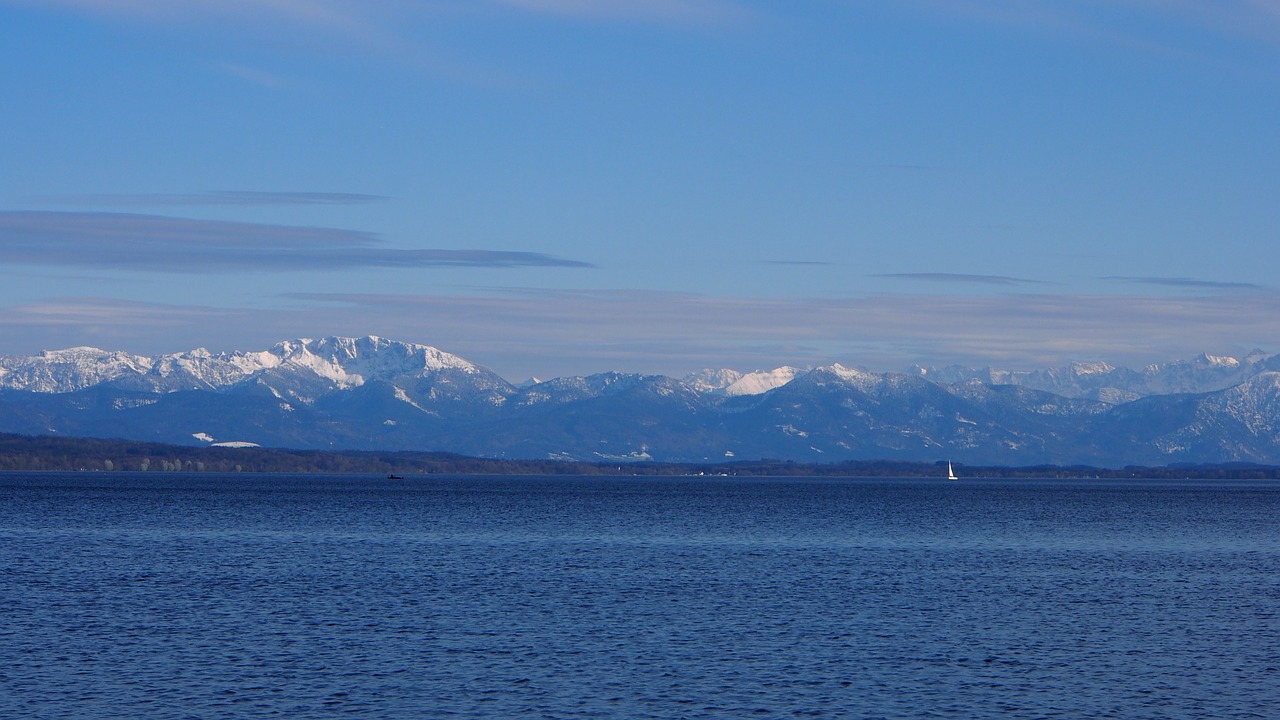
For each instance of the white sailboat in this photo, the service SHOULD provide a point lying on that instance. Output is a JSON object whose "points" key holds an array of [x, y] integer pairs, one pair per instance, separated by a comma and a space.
{"points": [[951, 474]]}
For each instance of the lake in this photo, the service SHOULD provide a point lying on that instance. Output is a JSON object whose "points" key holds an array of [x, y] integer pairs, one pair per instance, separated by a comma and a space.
{"points": [[211, 596]]}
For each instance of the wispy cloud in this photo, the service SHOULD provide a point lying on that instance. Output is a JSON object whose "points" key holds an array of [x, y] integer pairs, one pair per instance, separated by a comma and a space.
{"points": [[1186, 282], [108, 317], [168, 244], [961, 278], [216, 197]]}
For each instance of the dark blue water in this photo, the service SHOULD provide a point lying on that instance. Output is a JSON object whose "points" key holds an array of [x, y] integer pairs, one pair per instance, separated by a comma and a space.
{"points": [[171, 596]]}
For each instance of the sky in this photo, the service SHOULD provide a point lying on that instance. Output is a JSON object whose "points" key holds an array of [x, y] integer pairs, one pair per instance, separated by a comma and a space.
{"points": [[564, 187]]}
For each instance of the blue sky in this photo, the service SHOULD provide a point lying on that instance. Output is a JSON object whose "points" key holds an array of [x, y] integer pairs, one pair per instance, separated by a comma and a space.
{"points": [[555, 187]]}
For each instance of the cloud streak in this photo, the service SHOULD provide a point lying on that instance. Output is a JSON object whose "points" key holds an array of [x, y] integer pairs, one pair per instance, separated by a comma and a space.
{"points": [[152, 243], [1186, 282]]}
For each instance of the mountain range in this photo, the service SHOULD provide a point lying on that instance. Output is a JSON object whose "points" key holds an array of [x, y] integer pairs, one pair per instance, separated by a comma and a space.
{"points": [[377, 394]]}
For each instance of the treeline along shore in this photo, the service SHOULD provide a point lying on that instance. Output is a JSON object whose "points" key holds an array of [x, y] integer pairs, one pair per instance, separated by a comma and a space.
{"points": [[25, 453]]}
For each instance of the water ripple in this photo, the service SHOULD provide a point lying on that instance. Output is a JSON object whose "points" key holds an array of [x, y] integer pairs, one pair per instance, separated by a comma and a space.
{"points": [[508, 597]]}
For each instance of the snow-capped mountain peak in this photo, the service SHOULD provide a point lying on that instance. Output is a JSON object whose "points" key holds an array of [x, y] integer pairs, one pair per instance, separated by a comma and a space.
{"points": [[342, 362], [856, 377], [57, 371], [1089, 368], [734, 383], [711, 380], [1221, 361], [344, 359], [760, 382]]}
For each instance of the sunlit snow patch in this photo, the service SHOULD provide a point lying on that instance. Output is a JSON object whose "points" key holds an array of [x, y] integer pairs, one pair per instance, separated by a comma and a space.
{"points": [[759, 382]]}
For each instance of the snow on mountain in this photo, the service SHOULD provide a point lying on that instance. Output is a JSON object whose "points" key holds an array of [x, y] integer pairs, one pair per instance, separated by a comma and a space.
{"points": [[60, 371], [712, 381], [303, 369], [1080, 369], [1255, 404], [573, 389], [350, 362], [335, 361], [857, 377], [403, 397], [309, 369], [1219, 361], [196, 369], [733, 383], [760, 382], [1203, 373]]}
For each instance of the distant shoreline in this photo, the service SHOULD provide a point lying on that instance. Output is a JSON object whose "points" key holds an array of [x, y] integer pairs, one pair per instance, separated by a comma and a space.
{"points": [[28, 453]]}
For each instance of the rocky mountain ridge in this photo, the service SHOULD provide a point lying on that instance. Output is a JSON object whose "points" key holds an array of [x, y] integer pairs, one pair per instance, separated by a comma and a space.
{"points": [[378, 394]]}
